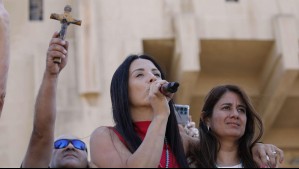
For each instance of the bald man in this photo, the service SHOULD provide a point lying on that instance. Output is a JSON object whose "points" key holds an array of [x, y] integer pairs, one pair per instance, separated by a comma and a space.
{"points": [[4, 52], [67, 151]]}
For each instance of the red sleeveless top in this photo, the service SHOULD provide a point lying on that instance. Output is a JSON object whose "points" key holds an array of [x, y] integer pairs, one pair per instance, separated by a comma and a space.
{"points": [[141, 129]]}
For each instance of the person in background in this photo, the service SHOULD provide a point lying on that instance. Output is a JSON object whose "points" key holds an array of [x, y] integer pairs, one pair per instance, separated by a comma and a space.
{"points": [[67, 151], [229, 128]]}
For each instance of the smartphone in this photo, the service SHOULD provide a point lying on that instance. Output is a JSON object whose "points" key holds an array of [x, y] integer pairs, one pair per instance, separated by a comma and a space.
{"points": [[182, 113]]}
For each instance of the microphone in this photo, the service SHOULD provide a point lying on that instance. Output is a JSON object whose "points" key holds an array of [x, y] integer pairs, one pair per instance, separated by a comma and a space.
{"points": [[169, 88]]}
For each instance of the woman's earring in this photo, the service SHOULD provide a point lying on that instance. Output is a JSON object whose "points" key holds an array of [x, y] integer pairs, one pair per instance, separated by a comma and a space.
{"points": [[208, 128]]}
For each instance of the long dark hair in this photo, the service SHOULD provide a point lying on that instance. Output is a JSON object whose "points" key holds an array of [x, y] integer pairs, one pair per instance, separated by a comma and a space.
{"points": [[122, 116], [204, 153]]}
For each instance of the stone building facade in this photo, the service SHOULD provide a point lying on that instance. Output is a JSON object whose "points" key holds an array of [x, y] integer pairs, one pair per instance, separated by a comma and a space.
{"points": [[200, 43]]}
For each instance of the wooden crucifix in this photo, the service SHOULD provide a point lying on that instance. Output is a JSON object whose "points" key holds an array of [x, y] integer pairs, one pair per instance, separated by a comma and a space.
{"points": [[65, 19]]}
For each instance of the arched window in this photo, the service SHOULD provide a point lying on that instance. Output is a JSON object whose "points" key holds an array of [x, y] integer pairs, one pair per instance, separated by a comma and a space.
{"points": [[36, 10]]}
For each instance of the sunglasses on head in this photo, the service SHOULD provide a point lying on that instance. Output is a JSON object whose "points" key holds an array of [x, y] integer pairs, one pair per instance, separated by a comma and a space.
{"points": [[63, 143]]}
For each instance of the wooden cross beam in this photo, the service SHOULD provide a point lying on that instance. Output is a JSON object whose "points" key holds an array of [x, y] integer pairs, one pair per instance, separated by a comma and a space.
{"points": [[65, 19]]}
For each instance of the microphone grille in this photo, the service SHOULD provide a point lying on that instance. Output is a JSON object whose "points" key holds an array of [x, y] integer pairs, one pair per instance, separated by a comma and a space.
{"points": [[173, 87]]}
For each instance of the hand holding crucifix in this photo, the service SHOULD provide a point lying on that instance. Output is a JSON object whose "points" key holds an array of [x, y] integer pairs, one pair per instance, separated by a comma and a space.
{"points": [[65, 19]]}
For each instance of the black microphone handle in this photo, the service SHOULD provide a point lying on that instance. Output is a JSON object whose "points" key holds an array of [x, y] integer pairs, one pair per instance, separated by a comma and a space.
{"points": [[170, 87]]}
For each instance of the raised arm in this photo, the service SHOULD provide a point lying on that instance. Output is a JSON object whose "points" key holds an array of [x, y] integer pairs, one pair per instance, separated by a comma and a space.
{"points": [[40, 148], [4, 52]]}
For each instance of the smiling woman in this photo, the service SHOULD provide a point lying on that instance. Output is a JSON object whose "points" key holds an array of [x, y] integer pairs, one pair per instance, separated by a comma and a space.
{"points": [[227, 130], [229, 118]]}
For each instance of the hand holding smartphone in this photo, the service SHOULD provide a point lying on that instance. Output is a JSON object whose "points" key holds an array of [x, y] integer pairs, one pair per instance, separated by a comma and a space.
{"points": [[182, 114], [184, 118]]}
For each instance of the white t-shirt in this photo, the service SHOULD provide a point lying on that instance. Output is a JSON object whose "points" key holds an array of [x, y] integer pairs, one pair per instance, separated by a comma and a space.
{"points": [[236, 166]]}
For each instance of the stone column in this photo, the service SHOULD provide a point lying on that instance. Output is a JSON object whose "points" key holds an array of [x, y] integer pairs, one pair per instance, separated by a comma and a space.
{"points": [[88, 53]]}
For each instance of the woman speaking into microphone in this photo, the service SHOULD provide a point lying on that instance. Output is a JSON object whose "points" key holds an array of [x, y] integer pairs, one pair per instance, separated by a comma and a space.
{"points": [[146, 133]]}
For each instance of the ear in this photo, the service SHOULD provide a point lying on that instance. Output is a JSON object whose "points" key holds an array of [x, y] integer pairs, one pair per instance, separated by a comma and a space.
{"points": [[208, 122], [205, 119]]}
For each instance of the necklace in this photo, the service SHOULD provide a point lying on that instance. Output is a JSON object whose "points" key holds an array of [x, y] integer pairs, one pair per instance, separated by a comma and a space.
{"points": [[167, 160], [167, 153]]}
